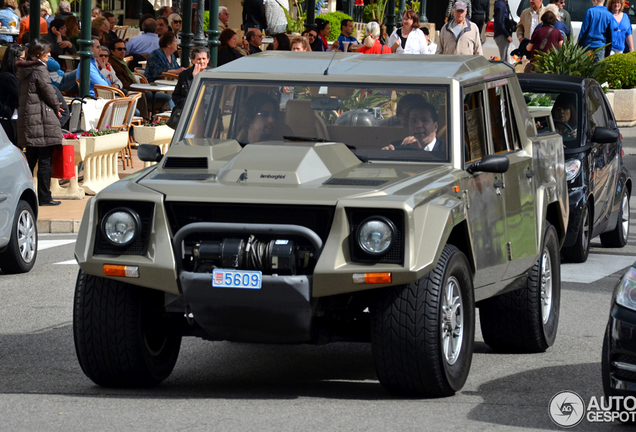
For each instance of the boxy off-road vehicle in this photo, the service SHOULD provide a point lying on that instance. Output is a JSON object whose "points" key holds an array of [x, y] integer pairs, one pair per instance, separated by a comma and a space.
{"points": [[310, 198]]}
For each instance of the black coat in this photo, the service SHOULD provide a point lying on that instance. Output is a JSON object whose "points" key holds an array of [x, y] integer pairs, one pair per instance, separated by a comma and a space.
{"points": [[254, 15], [226, 55], [181, 90], [38, 123], [56, 51]]}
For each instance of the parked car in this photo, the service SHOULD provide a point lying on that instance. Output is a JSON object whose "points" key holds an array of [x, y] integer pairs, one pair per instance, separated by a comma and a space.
{"points": [[300, 223], [18, 210], [618, 362], [599, 184]]}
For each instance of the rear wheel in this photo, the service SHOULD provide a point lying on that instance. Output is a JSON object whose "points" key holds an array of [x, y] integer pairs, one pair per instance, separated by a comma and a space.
{"points": [[617, 238], [19, 257], [578, 252], [122, 336], [423, 332], [526, 320]]}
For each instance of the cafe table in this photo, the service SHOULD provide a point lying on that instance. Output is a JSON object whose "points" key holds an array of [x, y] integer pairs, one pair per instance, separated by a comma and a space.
{"points": [[153, 88]]}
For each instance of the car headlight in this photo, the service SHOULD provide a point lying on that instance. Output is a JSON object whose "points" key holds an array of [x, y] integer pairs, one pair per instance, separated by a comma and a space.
{"points": [[626, 293], [121, 226], [376, 235], [572, 168]]}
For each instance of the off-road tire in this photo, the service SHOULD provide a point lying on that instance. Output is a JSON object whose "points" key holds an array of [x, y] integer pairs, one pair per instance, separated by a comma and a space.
{"points": [[517, 321], [21, 252], [617, 238], [578, 252], [122, 338], [407, 331]]}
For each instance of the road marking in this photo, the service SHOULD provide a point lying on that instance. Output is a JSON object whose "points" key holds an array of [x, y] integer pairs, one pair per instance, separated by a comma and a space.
{"points": [[67, 262], [47, 244], [595, 268]]}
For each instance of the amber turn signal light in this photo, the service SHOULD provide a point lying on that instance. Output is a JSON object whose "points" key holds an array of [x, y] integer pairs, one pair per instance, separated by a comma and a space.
{"points": [[121, 270], [372, 278]]}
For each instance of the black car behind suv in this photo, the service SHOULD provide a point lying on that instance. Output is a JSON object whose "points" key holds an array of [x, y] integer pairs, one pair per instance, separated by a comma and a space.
{"points": [[599, 184]]}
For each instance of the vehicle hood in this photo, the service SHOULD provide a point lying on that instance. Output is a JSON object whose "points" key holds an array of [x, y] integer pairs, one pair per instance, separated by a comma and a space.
{"points": [[299, 172]]}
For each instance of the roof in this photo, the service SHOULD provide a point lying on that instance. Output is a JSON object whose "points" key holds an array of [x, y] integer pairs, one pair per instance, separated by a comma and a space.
{"points": [[312, 65]]}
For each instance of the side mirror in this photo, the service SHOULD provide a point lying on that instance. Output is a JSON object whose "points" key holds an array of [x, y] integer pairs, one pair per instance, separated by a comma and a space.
{"points": [[603, 135], [149, 153], [490, 163]]}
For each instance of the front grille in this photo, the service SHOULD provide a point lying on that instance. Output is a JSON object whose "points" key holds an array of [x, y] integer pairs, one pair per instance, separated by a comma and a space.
{"points": [[145, 210], [624, 374], [316, 218], [395, 255], [185, 162]]}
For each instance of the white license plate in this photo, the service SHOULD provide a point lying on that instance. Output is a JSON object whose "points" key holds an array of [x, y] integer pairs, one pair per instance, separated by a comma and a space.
{"points": [[246, 279]]}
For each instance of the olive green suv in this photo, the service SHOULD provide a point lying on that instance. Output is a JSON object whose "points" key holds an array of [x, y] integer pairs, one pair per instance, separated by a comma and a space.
{"points": [[312, 198]]}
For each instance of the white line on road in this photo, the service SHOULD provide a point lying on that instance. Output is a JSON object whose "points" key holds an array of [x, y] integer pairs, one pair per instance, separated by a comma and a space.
{"points": [[67, 262], [595, 268], [47, 244]]}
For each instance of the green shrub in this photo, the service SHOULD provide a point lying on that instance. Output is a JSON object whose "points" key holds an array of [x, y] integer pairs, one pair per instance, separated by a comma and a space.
{"points": [[334, 19], [571, 60], [619, 71]]}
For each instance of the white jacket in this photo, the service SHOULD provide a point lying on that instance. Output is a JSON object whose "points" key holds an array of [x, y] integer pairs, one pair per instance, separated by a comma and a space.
{"points": [[415, 42]]}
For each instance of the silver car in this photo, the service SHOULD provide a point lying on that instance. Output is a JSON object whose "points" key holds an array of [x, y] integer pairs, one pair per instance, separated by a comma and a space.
{"points": [[18, 210]]}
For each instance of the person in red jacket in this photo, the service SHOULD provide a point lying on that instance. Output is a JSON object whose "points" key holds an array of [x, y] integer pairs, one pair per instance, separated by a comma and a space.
{"points": [[372, 44]]}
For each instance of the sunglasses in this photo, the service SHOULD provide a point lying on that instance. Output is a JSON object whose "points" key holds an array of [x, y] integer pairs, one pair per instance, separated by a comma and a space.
{"points": [[176, 21], [120, 49], [103, 55]]}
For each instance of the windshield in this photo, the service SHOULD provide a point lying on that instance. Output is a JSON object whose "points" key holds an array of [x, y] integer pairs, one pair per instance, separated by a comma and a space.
{"points": [[564, 108], [376, 122]]}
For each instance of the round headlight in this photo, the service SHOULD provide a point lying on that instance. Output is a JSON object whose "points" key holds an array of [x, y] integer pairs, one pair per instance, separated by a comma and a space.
{"points": [[376, 235], [121, 226]]}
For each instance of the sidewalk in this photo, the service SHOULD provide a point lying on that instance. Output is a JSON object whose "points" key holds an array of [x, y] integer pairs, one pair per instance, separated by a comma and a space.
{"points": [[66, 217]]}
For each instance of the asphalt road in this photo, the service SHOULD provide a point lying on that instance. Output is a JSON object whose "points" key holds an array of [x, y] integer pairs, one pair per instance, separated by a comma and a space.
{"points": [[221, 386]]}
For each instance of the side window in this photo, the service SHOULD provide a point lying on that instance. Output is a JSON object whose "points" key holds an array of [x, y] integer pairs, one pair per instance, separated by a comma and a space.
{"points": [[474, 130], [595, 112], [609, 118], [505, 136]]}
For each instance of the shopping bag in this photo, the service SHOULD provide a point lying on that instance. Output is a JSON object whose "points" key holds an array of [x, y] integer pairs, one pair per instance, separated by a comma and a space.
{"points": [[63, 162]]}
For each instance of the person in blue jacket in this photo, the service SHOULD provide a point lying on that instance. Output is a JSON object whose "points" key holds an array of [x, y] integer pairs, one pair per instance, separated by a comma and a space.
{"points": [[96, 76], [597, 28]]}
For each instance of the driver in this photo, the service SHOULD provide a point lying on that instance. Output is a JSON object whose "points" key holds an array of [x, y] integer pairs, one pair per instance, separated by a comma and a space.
{"points": [[260, 119], [564, 114], [422, 128]]}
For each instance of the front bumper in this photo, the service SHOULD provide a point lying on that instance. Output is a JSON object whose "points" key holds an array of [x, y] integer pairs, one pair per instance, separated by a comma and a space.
{"points": [[622, 351]]}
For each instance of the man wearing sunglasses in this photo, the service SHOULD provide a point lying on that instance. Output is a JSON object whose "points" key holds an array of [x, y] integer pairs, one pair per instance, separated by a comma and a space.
{"points": [[116, 60], [564, 16]]}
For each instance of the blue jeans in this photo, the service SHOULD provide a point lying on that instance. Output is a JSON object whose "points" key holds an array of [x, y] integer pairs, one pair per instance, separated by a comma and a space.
{"points": [[68, 83]]}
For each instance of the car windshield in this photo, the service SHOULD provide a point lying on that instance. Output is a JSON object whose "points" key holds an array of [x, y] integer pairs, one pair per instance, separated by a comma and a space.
{"points": [[377, 122], [564, 107]]}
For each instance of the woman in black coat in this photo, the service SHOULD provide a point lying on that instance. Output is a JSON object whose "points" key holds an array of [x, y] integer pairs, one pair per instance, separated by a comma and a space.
{"points": [[227, 51], [10, 84], [38, 112]]}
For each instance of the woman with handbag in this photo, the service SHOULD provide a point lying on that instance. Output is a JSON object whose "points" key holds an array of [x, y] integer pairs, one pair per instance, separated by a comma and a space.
{"points": [[503, 28], [38, 111]]}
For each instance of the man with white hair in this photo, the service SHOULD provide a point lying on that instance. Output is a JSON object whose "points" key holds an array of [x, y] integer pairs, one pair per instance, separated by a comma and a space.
{"points": [[459, 36], [63, 10], [224, 18]]}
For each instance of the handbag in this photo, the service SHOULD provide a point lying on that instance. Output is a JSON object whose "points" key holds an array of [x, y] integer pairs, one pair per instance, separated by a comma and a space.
{"points": [[510, 23], [63, 162], [175, 116]]}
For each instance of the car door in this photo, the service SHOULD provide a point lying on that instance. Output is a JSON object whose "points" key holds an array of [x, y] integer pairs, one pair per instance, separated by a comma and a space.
{"points": [[518, 188], [482, 192], [6, 184], [602, 157]]}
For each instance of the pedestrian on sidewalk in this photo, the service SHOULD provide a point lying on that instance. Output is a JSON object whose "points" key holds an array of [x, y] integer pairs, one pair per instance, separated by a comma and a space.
{"points": [[38, 111]]}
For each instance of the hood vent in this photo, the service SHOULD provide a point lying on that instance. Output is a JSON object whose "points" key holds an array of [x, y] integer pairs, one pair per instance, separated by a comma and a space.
{"points": [[185, 162], [353, 182], [182, 176]]}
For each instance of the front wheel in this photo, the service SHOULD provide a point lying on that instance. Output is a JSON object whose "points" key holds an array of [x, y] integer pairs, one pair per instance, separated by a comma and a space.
{"points": [[422, 334], [122, 336], [526, 320], [617, 238], [19, 257]]}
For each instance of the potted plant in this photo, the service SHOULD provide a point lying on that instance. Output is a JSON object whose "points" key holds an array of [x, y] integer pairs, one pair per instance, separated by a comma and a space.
{"points": [[100, 150], [618, 74], [295, 25]]}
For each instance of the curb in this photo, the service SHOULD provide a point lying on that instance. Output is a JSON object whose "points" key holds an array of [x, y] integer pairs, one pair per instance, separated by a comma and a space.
{"points": [[59, 226]]}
